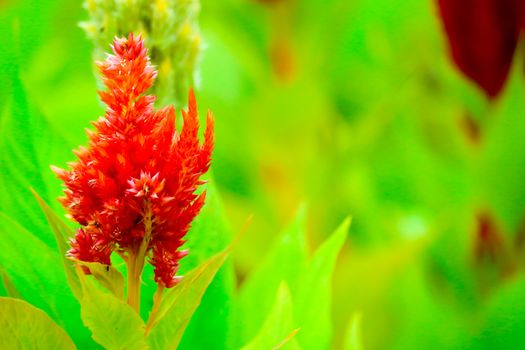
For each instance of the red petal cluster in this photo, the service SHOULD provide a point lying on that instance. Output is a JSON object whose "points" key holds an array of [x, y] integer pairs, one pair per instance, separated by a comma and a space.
{"points": [[483, 36], [136, 165]]}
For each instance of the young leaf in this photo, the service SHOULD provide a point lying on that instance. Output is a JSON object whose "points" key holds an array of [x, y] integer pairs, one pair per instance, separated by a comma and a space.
{"points": [[278, 329], [114, 324], [284, 263], [108, 277], [179, 304], [23, 326], [314, 293], [353, 334], [62, 233]]}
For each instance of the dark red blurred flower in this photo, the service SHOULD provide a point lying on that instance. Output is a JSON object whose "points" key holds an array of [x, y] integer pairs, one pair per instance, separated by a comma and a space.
{"points": [[483, 36], [133, 188]]}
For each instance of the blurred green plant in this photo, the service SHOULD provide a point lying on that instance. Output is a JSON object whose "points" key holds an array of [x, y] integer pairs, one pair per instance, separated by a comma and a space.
{"points": [[170, 29]]}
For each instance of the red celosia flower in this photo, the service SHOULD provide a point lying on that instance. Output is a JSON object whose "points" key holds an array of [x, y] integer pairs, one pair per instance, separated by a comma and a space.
{"points": [[483, 36], [133, 188]]}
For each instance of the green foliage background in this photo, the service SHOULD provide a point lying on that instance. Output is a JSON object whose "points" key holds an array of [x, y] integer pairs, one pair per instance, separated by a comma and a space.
{"points": [[352, 107]]}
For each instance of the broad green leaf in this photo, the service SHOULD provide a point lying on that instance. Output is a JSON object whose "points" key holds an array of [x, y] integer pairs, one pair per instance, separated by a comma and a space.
{"points": [[108, 277], [180, 302], [23, 326], [353, 334], [29, 139], [9, 287], [62, 233], [22, 129], [313, 296], [114, 324], [284, 262], [278, 329], [26, 140]]}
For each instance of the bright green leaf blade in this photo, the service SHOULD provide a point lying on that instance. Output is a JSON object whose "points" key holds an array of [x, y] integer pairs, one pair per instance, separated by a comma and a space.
{"points": [[278, 329], [180, 302], [284, 263], [114, 324], [23, 326], [313, 296], [62, 233], [353, 334]]}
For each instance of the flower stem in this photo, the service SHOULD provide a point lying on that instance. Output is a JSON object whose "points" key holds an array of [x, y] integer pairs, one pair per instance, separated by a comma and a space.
{"points": [[136, 261], [133, 283]]}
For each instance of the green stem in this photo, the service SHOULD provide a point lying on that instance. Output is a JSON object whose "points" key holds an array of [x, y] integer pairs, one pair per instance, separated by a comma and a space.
{"points": [[133, 283], [137, 259]]}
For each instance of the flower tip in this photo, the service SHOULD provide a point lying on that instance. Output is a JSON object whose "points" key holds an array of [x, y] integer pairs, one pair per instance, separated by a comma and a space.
{"points": [[59, 172], [192, 102], [209, 134], [210, 120], [55, 169]]}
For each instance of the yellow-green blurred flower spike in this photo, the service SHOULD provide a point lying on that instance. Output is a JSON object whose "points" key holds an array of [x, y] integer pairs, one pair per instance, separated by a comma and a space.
{"points": [[170, 30]]}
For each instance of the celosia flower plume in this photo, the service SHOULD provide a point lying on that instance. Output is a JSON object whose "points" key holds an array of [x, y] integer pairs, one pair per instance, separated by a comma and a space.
{"points": [[133, 189]]}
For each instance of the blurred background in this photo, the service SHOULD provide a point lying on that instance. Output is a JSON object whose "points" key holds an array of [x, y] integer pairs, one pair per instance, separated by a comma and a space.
{"points": [[351, 108]]}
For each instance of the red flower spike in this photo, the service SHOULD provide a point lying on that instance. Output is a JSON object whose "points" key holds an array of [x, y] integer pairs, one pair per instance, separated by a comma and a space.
{"points": [[483, 35], [137, 172]]}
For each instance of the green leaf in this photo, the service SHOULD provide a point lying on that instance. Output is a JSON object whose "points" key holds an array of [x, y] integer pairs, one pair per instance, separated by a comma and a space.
{"points": [[23, 326], [62, 233], [9, 287], [353, 334], [35, 275], [209, 235], [35, 271], [278, 329], [22, 130], [313, 295], [108, 277], [284, 262], [114, 324], [179, 304]]}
